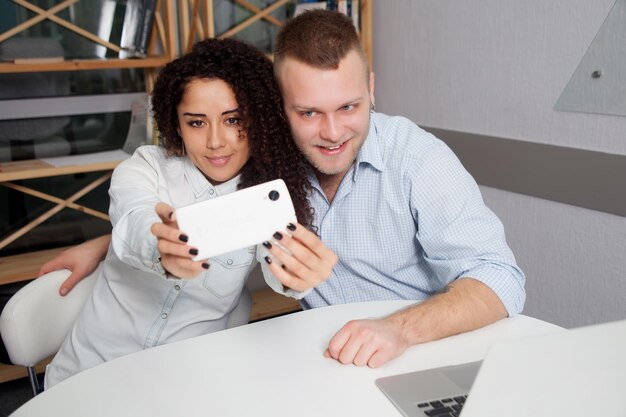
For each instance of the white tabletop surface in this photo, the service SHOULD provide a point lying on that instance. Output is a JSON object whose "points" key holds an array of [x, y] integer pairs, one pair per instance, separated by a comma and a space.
{"points": [[270, 368]]}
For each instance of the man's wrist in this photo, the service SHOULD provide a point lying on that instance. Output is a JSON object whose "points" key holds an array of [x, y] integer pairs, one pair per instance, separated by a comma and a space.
{"points": [[400, 324]]}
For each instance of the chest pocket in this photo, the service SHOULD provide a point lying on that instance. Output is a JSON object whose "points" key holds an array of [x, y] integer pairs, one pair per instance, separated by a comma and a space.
{"points": [[228, 272]]}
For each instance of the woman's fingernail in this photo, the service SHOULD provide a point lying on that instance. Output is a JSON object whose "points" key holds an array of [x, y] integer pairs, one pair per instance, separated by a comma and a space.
{"points": [[205, 265], [291, 227], [183, 238], [63, 291], [169, 216], [193, 251], [268, 260], [278, 236], [267, 245]]}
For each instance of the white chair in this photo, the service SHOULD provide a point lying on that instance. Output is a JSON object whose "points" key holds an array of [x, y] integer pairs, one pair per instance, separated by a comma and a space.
{"points": [[36, 320]]}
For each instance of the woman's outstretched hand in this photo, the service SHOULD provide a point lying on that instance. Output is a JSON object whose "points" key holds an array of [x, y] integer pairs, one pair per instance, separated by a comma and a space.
{"points": [[176, 255]]}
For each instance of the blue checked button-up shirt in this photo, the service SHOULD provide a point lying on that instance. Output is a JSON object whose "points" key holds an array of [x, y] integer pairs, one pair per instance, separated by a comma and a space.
{"points": [[406, 221]]}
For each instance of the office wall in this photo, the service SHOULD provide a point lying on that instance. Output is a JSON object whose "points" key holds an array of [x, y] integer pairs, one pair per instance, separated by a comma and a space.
{"points": [[496, 67]]}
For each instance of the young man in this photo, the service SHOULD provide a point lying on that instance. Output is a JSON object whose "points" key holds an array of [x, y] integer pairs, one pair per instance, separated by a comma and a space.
{"points": [[392, 201]]}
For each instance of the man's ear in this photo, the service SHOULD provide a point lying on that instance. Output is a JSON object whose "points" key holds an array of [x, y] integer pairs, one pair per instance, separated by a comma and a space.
{"points": [[372, 98]]}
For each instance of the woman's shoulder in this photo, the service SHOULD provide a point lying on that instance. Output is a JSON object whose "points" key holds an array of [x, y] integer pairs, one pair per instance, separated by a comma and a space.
{"points": [[148, 158], [150, 152], [147, 155]]}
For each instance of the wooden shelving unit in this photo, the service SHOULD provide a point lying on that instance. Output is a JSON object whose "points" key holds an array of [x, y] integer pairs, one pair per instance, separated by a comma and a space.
{"points": [[163, 39], [26, 266]]}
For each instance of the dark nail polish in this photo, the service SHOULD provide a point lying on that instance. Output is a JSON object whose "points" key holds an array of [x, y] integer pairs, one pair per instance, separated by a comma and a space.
{"points": [[267, 245], [278, 236], [268, 260], [193, 251], [291, 227], [183, 238], [205, 265]]}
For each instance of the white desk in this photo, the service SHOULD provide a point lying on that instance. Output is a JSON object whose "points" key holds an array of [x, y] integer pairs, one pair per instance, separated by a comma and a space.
{"points": [[271, 368]]}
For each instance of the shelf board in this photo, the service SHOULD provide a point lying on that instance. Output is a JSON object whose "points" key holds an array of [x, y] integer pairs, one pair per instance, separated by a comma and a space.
{"points": [[267, 304], [83, 64], [35, 168], [25, 266], [12, 372]]}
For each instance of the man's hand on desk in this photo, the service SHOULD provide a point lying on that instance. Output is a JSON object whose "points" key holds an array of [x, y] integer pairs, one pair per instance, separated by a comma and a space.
{"points": [[464, 305], [367, 342], [82, 260]]}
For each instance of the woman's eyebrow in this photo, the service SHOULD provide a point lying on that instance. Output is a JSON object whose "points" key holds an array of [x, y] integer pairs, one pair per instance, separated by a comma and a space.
{"points": [[204, 115], [231, 111]]}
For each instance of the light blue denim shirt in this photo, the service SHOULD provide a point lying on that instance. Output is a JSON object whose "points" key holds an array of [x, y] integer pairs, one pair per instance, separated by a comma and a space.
{"points": [[135, 305], [406, 221]]}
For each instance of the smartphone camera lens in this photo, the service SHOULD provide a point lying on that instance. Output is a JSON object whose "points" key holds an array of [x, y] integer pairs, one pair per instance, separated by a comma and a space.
{"points": [[274, 195]]}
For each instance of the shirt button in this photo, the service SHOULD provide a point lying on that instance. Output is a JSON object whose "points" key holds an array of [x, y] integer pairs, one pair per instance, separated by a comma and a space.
{"points": [[164, 316], [211, 191], [177, 287], [229, 262]]}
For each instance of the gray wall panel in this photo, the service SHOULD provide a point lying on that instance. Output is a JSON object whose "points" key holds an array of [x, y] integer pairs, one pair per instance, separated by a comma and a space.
{"points": [[495, 68], [589, 179]]}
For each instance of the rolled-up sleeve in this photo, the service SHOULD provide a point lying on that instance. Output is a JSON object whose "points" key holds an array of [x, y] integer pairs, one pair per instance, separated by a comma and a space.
{"points": [[134, 195], [460, 236]]}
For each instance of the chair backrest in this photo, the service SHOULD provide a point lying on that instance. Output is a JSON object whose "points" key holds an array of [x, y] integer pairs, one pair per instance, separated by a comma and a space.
{"points": [[36, 320]]}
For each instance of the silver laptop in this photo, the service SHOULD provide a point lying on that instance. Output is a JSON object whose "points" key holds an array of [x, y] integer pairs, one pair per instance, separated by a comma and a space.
{"points": [[581, 372]]}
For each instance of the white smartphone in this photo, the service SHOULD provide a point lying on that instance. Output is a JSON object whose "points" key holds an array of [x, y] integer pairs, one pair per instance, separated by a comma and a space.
{"points": [[243, 218]]}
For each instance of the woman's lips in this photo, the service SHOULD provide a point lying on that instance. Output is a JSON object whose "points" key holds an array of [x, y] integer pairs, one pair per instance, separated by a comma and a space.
{"points": [[218, 161]]}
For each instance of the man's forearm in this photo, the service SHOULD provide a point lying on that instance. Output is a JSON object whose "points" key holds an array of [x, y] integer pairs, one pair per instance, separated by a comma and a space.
{"points": [[465, 304], [99, 246]]}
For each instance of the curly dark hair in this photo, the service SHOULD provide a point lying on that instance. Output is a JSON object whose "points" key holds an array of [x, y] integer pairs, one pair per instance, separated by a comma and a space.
{"points": [[273, 153]]}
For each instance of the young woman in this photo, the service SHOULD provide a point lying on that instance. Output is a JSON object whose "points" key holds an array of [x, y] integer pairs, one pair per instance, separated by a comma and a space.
{"points": [[219, 114]]}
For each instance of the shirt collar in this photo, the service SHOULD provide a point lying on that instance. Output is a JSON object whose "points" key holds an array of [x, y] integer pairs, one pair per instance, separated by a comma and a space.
{"points": [[229, 186], [372, 150], [200, 185]]}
